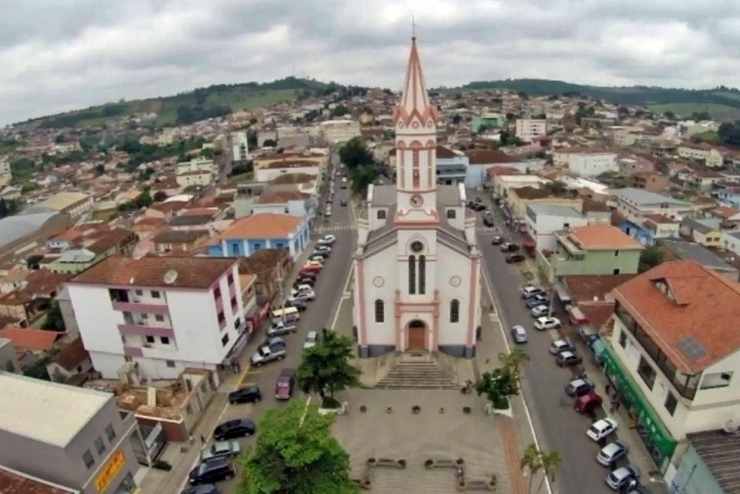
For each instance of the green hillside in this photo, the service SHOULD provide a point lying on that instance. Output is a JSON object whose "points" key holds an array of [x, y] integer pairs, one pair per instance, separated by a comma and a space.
{"points": [[722, 103], [193, 105]]}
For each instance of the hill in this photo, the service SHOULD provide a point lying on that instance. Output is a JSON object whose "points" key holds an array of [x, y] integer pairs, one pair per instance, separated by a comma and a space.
{"points": [[193, 105], [721, 103]]}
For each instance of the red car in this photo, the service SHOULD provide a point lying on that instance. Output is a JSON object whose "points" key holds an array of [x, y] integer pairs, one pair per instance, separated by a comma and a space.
{"points": [[586, 404], [285, 384]]}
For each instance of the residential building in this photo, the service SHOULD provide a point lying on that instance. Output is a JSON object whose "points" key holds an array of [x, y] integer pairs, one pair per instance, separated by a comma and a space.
{"points": [[337, 131], [168, 241], [487, 121], [75, 204], [710, 156], [673, 353], [518, 199], [293, 137], [529, 129], [503, 184], [239, 146], [292, 202], [481, 160], [650, 181], [271, 166], [591, 163], [592, 249], [262, 231], [690, 251], [32, 299], [452, 166], [731, 241], [271, 267], [708, 465], [71, 363], [703, 231], [86, 447], [72, 261], [196, 172], [6, 173], [543, 220], [165, 314], [728, 195], [636, 204]]}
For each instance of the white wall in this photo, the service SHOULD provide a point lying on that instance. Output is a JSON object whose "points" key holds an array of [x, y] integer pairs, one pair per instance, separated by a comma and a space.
{"points": [[269, 174], [592, 164]]}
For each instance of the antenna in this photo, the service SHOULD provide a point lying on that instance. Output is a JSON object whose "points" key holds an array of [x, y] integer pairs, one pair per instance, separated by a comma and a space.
{"points": [[413, 28]]}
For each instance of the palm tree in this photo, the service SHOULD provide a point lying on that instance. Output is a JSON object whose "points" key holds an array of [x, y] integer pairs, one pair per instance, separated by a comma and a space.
{"points": [[532, 461], [513, 361], [550, 464], [535, 460]]}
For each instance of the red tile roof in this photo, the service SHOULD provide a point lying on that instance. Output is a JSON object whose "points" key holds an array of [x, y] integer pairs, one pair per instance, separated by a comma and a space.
{"points": [[263, 225], [602, 237], [281, 196], [590, 287], [17, 483], [704, 312], [488, 156], [29, 339], [72, 354]]}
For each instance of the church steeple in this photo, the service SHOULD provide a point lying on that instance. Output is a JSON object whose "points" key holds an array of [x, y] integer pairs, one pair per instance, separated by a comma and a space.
{"points": [[415, 100]]}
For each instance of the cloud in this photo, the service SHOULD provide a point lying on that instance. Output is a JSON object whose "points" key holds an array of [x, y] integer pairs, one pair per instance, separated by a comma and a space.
{"points": [[59, 56]]}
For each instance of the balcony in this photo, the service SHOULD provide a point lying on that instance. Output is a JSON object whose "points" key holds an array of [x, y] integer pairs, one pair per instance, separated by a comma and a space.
{"points": [[139, 307], [142, 330]]}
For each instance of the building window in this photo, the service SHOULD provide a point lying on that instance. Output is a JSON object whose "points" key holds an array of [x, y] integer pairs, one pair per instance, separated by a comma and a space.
{"points": [[155, 294], [716, 380], [100, 445], [87, 459], [233, 302], [616, 253], [159, 317], [230, 279], [221, 318], [670, 403], [647, 372], [450, 214], [622, 338], [165, 340], [150, 339], [455, 310], [225, 340], [412, 275], [217, 292], [110, 433], [381, 214], [139, 292], [422, 274], [144, 316], [379, 311], [615, 271], [170, 363]]}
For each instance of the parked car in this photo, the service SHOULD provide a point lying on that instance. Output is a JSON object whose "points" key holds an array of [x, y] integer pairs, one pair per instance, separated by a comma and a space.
{"points": [[247, 394], [319, 258], [561, 345], [633, 486], [530, 291], [586, 333], [275, 343], [234, 428], [622, 476], [323, 248], [519, 334], [509, 247], [280, 328], [567, 359], [264, 356], [543, 323], [201, 489], [312, 266], [227, 449], [539, 311], [611, 453], [214, 470], [514, 258], [587, 403], [327, 240], [298, 304], [578, 387], [488, 220], [304, 281], [533, 302], [302, 288], [309, 274], [311, 338], [601, 429], [302, 297], [497, 240], [285, 384]]}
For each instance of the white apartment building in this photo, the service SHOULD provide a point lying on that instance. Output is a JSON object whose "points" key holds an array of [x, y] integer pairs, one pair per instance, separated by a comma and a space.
{"points": [[6, 174], [239, 145], [163, 313], [198, 171], [710, 156], [592, 164], [635, 204], [529, 129], [674, 352], [543, 220], [336, 131]]}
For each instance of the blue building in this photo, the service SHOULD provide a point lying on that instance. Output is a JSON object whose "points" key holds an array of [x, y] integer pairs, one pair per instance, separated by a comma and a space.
{"points": [[262, 231]]}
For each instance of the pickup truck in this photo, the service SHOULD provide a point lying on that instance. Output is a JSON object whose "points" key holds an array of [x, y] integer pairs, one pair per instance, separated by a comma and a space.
{"points": [[264, 356]]}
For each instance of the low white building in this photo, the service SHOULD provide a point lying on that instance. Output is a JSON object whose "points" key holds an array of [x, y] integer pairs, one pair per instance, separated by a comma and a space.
{"points": [[636, 204], [543, 220], [502, 184], [710, 156], [239, 145], [163, 313], [336, 131], [198, 171], [592, 164], [529, 129]]}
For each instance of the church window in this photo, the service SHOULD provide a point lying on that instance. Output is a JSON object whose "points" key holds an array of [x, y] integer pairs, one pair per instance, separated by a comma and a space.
{"points": [[415, 164], [422, 274], [455, 310], [381, 214], [451, 214], [412, 275], [379, 311]]}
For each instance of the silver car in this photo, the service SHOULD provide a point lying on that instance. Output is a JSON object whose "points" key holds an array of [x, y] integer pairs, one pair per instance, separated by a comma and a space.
{"points": [[519, 334], [227, 449], [611, 453]]}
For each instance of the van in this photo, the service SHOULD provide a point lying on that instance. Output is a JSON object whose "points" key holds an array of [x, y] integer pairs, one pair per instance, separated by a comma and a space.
{"points": [[288, 315]]}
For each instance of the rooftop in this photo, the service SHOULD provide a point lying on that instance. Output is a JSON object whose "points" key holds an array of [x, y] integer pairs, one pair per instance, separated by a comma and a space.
{"points": [[62, 200], [699, 307], [263, 225], [273, 197], [27, 414], [16, 227], [15, 482], [188, 272], [488, 156], [554, 210], [591, 288], [29, 339], [690, 251], [646, 198], [719, 451], [602, 237]]}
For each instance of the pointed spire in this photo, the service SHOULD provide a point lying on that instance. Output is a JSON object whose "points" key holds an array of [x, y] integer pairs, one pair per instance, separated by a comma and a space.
{"points": [[415, 99]]}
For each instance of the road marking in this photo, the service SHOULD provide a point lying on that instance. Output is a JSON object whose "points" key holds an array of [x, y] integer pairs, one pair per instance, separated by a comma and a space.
{"points": [[508, 349], [345, 290]]}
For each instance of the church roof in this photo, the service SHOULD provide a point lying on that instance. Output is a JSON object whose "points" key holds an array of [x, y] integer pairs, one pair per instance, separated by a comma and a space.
{"points": [[414, 100]]}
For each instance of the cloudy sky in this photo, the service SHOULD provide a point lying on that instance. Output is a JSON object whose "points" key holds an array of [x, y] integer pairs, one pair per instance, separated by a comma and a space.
{"points": [[58, 55]]}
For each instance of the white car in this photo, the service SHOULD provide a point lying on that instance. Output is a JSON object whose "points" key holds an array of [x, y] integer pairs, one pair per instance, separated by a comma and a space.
{"points": [[601, 429], [323, 248], [327, 240], [539, 311], [543, 323], [311, 339], [303, 288], [531, 290]]}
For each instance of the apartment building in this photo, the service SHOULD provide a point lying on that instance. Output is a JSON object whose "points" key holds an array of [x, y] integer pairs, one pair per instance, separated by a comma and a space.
{"points": [[710, 156], [239, 146], [529, 129], [635, 204], [587, 163], [198, 171], [163, 313], [74, 437], [336, 131], [543, 220], [673, 352]]}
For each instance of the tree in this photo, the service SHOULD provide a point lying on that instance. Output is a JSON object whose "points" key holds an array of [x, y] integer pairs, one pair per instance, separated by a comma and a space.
{"points": [[362, 177], [497, 385], [355, 153], [339, 111], [536, 460], [144, 200], [325, 368], [54, 320], [650, 257], [513, 361], [729, 134], [296, 453], [670, 115], [160, 196]]}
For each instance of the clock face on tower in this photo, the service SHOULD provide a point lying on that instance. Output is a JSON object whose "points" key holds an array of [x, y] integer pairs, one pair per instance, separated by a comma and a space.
{"points": [[417, 201]]}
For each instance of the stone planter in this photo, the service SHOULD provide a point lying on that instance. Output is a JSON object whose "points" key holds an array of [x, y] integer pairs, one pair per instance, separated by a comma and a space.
{"points": [[343, 409], [490, 410]]}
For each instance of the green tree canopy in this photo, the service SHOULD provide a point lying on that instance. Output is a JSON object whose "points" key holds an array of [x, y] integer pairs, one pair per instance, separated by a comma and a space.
{"points": [[325, 368], [355, 153], [650, 257], [535, 460], [54, 320], [296, 453]]}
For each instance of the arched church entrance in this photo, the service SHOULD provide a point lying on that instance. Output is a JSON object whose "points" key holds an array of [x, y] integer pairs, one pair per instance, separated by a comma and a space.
{"points": [[417, 335]]}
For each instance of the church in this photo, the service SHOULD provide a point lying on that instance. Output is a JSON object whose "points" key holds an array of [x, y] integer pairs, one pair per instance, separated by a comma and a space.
{"points": [[417, 263]]}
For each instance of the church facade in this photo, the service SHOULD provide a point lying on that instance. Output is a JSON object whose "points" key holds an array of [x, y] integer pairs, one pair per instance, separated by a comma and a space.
{"points": [[417, 264]]}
